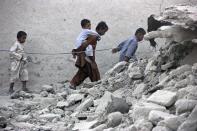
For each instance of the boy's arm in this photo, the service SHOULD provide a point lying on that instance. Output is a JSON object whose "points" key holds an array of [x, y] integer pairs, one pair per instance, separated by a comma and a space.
{"points": [[119, 47], [91, 40], [14, 54]]}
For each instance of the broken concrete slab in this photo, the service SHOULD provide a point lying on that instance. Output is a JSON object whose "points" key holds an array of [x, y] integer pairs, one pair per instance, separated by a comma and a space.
{"points": [[163, 97]]}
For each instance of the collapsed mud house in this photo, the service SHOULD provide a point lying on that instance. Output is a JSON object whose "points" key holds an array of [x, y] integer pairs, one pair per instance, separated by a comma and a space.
{"points": [[159, 94]]}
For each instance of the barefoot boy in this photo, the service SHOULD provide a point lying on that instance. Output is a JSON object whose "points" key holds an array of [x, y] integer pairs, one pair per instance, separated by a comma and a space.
{"points": [[18, 61]]}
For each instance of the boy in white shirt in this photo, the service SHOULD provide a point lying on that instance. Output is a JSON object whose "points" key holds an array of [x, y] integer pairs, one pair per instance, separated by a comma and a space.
{"points": [[18, 61]]}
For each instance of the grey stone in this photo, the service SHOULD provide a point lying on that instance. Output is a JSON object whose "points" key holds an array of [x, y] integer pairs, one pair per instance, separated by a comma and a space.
{"points": [[141, 110], [143, 125], [157, 116], [131, 128], [190, 124], [180, 70], [44, 93], [49, 116], [194, 68], [161, 128], [114, 119], [84, 125], [3, 122], [167, 66], [104, 102], [181, 84], [48, 88], [190, 92], [139, 90], [185, 105], [163, 97], [19, 94], [117, 68], [95, 92], [118, 104], [63, 94], [172, 123], [62, 104], [135, 73], [100, 127], [23, 118], [46, 101], [109, 103], [73, 98], [58, 111], [85, 105]]}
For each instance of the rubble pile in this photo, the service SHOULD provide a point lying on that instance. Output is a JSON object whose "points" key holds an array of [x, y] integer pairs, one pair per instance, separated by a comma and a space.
{"points": [[157, 94]]}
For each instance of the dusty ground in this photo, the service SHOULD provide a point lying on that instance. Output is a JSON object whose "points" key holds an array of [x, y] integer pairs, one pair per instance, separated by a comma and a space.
{"points": [[52, 26]]}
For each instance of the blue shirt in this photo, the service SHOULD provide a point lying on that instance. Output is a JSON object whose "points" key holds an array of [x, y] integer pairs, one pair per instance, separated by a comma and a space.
{"points": [[128, 48]]}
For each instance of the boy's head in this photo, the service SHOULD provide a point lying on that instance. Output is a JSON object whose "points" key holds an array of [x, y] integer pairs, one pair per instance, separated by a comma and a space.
{"points": [[101, 28], [21, 36], [140, 32], [85, 24]]}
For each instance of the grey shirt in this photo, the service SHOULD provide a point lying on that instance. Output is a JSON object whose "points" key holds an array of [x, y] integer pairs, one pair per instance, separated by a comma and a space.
{"points": [[128, 48]]}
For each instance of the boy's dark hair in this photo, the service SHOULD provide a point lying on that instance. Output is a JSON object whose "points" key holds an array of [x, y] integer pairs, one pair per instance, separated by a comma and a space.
{"points": [[102, 25], [140, 30], [84, 22], [20, 34]]}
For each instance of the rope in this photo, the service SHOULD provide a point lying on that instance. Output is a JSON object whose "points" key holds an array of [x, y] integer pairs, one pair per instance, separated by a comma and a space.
{"points": [[60, 53]]}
